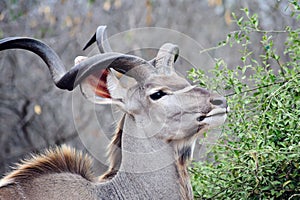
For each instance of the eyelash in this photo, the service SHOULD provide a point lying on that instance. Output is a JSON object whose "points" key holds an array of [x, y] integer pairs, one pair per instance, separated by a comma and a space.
{"points": [[157, 95]]}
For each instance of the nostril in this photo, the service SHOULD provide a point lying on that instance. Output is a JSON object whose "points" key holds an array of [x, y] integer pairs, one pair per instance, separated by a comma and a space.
{"points": [[216, 102], [220, 101]]}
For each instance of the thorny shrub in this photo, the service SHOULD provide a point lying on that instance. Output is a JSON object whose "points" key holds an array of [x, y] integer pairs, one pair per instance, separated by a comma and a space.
{"points": [[258, 154]]}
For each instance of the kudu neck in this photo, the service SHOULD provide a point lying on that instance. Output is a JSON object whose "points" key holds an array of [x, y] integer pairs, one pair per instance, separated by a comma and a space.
{"points": [[150, 163], [142, 151]]}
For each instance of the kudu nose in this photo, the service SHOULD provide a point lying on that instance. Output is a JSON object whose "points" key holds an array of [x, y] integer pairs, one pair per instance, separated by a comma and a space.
{"points": [[219, 101]]}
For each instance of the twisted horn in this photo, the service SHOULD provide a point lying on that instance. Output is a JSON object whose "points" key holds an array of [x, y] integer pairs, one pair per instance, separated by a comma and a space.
{"points": [[164, 61], [100, 37], [52, 60], [131, 65]]}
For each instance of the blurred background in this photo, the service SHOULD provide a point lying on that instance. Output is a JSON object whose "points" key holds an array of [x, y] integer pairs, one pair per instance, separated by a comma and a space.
{"points": [[34, 114]]}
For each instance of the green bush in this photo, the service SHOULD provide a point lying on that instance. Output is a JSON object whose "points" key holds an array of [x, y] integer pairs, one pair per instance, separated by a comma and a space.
{"points": [[258, 155]]}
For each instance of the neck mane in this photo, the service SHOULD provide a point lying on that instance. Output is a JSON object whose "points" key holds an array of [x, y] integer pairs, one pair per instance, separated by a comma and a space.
{"points": [[183, 155]]}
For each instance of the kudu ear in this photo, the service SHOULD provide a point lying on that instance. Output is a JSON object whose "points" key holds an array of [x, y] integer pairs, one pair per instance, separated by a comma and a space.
{"points": [[105, 86], [166, 57], [118, 84]]}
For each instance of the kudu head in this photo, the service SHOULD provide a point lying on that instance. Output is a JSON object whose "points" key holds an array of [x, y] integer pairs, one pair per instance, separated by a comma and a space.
{"points": [[159, 99], [163, 103]]}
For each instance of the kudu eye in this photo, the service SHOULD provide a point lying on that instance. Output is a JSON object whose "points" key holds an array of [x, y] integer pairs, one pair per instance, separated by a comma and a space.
{"points": [[157, 95]]}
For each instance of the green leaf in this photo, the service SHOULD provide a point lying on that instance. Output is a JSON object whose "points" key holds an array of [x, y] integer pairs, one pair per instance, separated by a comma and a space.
{"points": [[286, 183]]}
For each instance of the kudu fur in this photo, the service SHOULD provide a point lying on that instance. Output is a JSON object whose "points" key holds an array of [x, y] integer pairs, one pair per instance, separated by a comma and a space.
{"points": [[163, 116]]}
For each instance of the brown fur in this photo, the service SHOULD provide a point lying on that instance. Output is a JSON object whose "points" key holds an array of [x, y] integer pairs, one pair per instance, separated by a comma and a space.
{"points": [[183, 155], [186, 191], [57, 160], [114, 153]]}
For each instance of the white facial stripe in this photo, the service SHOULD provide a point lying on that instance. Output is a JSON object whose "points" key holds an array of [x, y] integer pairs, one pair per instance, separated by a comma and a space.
{"points": [[186, 89], [168, 91]]}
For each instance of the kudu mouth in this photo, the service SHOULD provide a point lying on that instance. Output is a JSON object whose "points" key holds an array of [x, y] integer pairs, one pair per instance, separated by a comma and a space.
{"points": [[214, 113], [216, 116], [218, 112]]}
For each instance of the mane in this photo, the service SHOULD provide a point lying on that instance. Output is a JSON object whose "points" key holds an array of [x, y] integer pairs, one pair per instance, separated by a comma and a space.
{"points": [[57, 160], [114, 152], [184, 154]]}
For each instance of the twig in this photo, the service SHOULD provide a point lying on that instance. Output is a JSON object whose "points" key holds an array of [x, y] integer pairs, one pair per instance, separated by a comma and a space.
{"points": [[264, 86]]}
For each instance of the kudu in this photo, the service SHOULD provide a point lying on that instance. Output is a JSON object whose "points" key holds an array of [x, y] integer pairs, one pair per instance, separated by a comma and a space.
{"points": [[153, 144]]}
